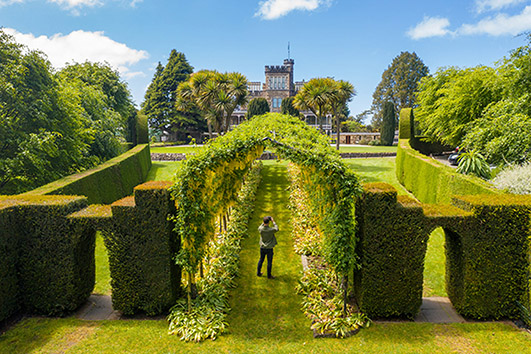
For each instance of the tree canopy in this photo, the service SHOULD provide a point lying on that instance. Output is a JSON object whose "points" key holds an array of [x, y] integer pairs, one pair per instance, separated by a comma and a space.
{"points": [[387, 133], [484, 108], [52, 124], [160, 99], [287, 107], [398, 85], [257, 107]]}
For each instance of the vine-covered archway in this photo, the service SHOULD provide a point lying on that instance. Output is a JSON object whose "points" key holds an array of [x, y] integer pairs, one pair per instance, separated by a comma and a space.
{"points": [[208, 183]]}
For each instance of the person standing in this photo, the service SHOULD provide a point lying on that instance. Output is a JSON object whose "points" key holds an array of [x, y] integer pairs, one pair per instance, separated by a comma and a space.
{"points": [[267, 242]]}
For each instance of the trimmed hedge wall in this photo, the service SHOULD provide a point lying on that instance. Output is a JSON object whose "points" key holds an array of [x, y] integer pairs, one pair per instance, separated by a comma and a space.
{"points": [[142, 130], [488, 256], [392, 246], [107, 182], [52, 263], [487, 252], [431, 181], [9, 290], [141, 245]]}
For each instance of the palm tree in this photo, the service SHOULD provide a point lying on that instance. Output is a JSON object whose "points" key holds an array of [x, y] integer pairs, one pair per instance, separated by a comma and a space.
{"points": [[315, 96], [343, 92]]}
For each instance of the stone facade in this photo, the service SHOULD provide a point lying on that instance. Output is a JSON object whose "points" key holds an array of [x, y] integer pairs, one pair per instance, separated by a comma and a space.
{"points": [[279, 84]]}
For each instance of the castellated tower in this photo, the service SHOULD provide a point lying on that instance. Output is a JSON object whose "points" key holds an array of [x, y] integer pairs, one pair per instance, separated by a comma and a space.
{"points": [[278, 83]]}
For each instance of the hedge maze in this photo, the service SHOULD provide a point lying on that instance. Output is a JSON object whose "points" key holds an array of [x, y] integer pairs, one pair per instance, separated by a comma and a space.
{"points": [[47, 242]]}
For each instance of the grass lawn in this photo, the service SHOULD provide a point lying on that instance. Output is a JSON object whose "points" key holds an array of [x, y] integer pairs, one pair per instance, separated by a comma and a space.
{"points": [[265, 316], [103, 274], [182, 149], [187, 149], [162, 170], [366, 148]]}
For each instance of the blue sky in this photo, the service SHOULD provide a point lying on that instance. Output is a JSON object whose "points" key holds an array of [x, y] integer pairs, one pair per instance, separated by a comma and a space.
{"points": [[345, 39]]}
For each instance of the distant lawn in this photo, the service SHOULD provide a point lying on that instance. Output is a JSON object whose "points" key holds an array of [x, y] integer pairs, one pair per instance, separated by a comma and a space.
{"points": [[187, 149], [182, 149], [103, 275], [376, 170], [364, 148], [163, 170]]}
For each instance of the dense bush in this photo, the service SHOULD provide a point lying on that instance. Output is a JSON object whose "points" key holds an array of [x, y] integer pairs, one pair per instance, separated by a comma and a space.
{"points": [[141, 245], [106, 183], [473, 163], [515, 179], [392, 246]]}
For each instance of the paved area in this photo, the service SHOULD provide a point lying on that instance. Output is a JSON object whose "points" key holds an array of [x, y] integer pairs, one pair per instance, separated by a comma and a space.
{"points": [[98, 308], [438, 310]]}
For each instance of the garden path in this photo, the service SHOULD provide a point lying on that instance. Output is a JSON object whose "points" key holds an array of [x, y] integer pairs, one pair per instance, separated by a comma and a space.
{"points": [[261, 307]]}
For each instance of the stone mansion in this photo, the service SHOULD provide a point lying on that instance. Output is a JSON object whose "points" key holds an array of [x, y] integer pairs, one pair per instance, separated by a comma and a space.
{"points": [[279, 84]]}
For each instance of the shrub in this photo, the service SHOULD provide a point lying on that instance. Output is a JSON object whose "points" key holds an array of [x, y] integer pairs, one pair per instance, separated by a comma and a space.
{"points": [[515, 179], [141, 245], [107, 182], [473, 163]]}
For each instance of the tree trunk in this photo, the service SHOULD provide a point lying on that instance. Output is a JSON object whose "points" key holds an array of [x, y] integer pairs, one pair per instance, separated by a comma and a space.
{"points": [[210, 133], [189, 292], [320, 119], [338, 129]]}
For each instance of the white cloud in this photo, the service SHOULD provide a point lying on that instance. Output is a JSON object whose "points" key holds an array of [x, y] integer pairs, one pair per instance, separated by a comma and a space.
{"points": [[501, 24], [486, 5], [9, 2], [273, 9], [70, 4], [430, 27], [80, 46], [134, 2]]}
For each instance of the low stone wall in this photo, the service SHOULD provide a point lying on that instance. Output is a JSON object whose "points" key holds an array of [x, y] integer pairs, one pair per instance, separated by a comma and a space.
{"points": [[270, 156], [357, 155]]}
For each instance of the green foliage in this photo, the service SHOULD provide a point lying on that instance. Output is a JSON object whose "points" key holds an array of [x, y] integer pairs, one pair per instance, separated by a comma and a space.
{"points": [[208, 311], [392, 247], [53, 125], [431, 181], [515, 179], [387, 133], [106, 183], [140, 245], [257, 107], [452, 98], [48, 264], [485, 109], [399, 85], [287, 107], [473, 163]]}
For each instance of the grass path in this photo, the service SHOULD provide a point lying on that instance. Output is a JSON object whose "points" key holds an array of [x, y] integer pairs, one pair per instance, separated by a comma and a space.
{"points": [[261, 307]]}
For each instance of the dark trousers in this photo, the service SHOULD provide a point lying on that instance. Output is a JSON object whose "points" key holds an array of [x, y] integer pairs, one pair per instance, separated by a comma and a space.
{"points": [[263, 253]]}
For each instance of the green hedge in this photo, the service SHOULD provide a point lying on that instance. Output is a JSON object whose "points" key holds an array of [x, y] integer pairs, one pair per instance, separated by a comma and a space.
{"points": [[431, 181], [9, 290], [142, 130], [488, 256], [106, 183], [52, 261], [141, 245], [392, 246]]}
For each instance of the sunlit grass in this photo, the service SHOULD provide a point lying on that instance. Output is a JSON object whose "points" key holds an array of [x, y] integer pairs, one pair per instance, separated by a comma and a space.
{"points": [[181, 149], [103, 275], [365, 148], [163, 170]]}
